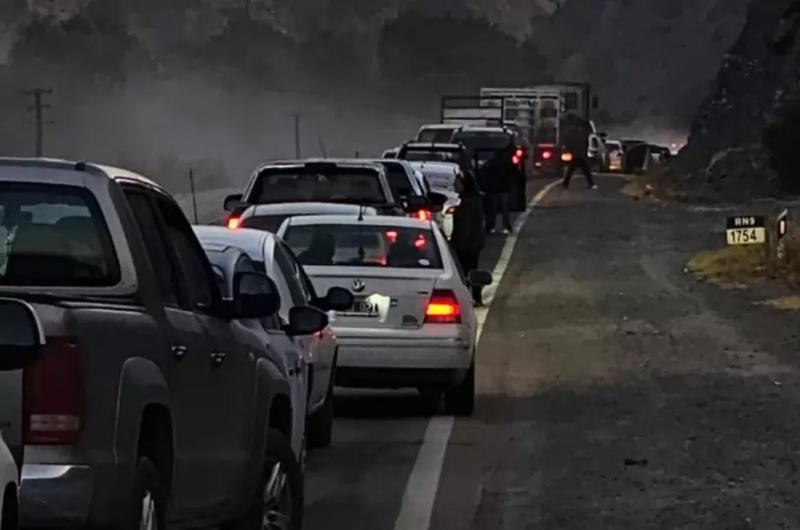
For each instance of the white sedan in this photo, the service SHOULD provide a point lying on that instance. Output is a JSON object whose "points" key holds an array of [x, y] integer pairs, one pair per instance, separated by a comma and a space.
{"points": [[413, 322], [272, 257], [9, 486]]}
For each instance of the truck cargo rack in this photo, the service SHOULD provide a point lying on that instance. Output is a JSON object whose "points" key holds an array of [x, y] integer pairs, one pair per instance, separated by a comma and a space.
{"points": [[473, 110]]}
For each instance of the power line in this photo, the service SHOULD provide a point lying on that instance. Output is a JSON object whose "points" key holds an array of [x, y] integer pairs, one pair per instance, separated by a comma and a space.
{"points": [[38, 109]]}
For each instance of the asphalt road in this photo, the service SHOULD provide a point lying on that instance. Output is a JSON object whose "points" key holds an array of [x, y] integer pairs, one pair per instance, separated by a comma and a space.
{"points": [[614, 392]]}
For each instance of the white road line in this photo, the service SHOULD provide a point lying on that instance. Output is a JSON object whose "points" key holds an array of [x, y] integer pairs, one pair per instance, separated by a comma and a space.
{"points": [[423, 483]]}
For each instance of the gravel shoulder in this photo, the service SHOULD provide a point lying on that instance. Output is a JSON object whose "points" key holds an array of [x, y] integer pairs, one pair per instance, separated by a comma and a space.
{"points": [[616, 392]]}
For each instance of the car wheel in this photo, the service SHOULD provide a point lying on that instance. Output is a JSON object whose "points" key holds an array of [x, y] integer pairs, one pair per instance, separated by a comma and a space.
{"points": [[9, 518], [320, 424], [460, 400], [147, 508], [278, 503]]}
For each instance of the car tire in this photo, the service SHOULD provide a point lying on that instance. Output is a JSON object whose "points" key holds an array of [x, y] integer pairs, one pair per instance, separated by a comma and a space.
{"points": [[284, 504], [148, 501], [460, 399], [319, 428], [9, 519]]}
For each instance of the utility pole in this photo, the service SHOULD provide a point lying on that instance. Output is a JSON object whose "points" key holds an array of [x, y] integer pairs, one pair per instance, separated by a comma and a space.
{"points": [[194, 195], [38, 109], [297, 136]]}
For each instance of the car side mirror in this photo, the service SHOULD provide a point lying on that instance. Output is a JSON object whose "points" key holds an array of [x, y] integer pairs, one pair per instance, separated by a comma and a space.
{"points": [[21, 336], [415, 203], [479, 278], [232, 202], [254, 296], [338, 299], [305, 320]]}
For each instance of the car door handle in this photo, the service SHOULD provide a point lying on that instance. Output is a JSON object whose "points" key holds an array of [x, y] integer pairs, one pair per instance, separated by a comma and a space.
{"points": [[179, 351], [296, 369], [217, 358]]}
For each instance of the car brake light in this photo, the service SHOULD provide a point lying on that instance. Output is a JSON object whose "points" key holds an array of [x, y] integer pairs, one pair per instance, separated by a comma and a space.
{"points": [[519, 153], [423, 215], [516, 160], [391, 235], [420, 242], [234, 222], [451, 210], [547, 155], [566, 156], [53, 394], [443, 308]]}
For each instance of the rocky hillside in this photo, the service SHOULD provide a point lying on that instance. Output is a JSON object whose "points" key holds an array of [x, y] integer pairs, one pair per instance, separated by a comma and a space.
{"points": [[652, 61], [725, 155]]}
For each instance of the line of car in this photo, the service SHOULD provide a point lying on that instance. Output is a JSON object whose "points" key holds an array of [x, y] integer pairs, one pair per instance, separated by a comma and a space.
{"points": [[153, 372]]}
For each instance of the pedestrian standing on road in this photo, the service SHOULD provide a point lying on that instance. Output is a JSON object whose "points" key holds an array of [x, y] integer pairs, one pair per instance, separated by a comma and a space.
{"points": [[503, 173], [576, 142], [468, 237]]}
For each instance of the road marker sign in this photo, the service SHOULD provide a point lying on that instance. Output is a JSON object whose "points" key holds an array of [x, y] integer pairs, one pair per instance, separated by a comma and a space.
{"points": [[746, 230], [782, 223]]}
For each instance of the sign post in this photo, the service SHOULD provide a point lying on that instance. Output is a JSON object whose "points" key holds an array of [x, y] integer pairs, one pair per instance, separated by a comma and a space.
{"points": [[782, 227]]}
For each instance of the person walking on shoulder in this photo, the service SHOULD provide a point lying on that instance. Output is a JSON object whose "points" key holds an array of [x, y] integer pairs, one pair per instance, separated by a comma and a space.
{"points": [[576, 143]]}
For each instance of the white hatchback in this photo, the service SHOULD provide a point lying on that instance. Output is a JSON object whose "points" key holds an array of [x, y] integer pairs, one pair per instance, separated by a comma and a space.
{"points": [[413, 322]]}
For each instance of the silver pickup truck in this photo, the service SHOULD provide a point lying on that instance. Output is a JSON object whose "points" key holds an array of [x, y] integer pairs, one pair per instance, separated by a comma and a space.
{"points": [[152, 401]]}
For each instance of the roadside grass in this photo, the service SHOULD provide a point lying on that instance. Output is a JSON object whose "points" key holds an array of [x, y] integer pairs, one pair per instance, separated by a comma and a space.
{"points": [[743, 267], [729, 267]]}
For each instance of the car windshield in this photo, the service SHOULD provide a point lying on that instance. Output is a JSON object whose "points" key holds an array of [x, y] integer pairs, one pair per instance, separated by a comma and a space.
{"points": [[342, 185], [54, 236], [364, 245]]}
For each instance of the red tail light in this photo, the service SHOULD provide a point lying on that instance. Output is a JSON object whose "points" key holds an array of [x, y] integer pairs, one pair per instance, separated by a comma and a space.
{"points": [[519, 153], [547, 155], [53, 395], [234, 222], [451, 210], [391, 236], [516, 160], [443, 308], [423, 215]]}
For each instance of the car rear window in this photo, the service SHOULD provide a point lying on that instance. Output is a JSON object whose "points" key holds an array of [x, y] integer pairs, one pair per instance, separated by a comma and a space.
{"points": [[435, 135], [428, 155], [342, 185], [364, 245], [54, 236], [483, 140], [398, 179], [269, 223]]}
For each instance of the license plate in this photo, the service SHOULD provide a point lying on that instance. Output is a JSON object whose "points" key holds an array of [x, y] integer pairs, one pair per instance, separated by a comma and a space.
{"points": [[365, 307], [746, 236]]}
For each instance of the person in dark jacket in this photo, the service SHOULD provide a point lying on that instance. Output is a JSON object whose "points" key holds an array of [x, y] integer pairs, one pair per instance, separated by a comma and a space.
{"points": [[468, 236], [576, 142], [502, 173]]}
